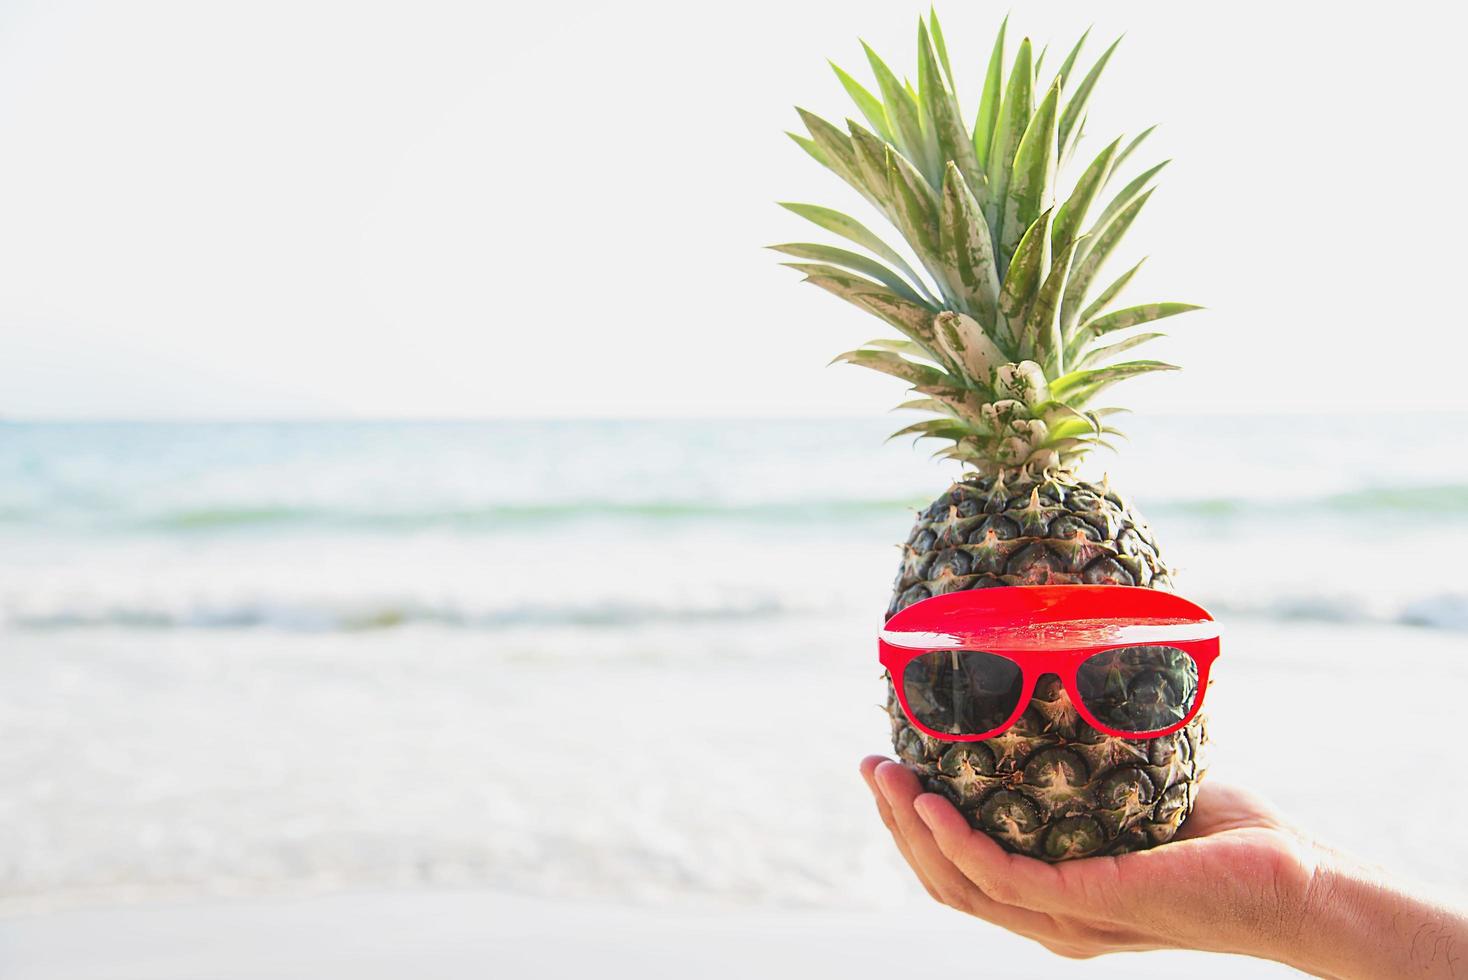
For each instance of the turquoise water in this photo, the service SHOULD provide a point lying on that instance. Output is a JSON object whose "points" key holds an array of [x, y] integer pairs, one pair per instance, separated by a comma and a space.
{"points": [[357, 525]]}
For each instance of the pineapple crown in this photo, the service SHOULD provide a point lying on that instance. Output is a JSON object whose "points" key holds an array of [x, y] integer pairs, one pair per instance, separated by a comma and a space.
{"points": [[1003, 340]]}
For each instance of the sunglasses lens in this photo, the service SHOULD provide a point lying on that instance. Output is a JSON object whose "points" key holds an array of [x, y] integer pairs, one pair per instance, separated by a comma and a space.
{"points": [[962, 692], [1139, 689]]}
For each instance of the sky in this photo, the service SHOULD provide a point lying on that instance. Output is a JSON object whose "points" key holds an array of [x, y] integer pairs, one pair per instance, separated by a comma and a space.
{"points": [[426, 209]]}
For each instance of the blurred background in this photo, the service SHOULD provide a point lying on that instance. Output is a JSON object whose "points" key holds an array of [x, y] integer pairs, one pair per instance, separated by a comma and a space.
{"points": [[428, 531]]}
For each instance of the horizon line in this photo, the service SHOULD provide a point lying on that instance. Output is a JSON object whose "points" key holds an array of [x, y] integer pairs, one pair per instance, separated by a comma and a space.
{"points": [[636, 417]]}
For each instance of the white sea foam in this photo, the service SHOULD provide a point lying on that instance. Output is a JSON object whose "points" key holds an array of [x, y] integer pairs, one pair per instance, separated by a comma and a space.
{"points": [[1447, 611]]}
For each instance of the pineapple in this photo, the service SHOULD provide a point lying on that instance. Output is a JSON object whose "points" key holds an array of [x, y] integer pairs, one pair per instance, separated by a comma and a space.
{"points": [[1007, 346]]}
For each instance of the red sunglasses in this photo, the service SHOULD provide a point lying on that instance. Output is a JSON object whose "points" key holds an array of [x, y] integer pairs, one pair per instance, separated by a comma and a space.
{"points": [[1134, 661]]}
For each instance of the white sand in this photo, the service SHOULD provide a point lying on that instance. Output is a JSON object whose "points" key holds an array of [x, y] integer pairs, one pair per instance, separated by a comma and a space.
{"points": [[716, 766], [477, 935]]}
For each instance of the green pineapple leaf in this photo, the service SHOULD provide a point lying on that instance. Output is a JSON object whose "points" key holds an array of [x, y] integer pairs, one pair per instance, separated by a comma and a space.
{"points": [[916, 211], [890, 363], [1082, 94], [963, 403], [1101, 247], [945, 428], [967, 346], [1104, 298], [936, 30], [839, 153], [907, 348], [851, 230], [1099, 355], [923, 405], [1030, 256], [843, 282], [1014, 118], [1072, 214], [1070, 429], [871, 159], [853, 261], [1063, 75], [1129, 193], [1126, 151], [1064, 419], [870, 106], [913, 319], [963, 240], [901, 110], [1042, 333], [1077, 386], [942, 108], [839, 282], [988, 116], [1032, 179], [1134, 315], [960, 452], [809, 145], [1054, 444]]}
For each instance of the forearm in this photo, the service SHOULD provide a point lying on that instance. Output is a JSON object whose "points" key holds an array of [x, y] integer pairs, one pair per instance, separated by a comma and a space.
{"points": [[1359, 927]]}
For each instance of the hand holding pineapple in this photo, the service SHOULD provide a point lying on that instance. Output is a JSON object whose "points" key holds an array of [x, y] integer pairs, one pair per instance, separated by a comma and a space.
{"points": [[1237, 879]]}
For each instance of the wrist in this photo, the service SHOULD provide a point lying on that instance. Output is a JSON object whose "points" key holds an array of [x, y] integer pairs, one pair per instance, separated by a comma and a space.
{"points": [[1330, 920], [1301, 911], [1357, 926]]}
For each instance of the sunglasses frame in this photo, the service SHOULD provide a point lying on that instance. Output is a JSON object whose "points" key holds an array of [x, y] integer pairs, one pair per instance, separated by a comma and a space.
{"points": [[979, 621]]}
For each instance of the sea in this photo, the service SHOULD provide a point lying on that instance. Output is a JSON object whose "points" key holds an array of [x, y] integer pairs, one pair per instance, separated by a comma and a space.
{"points": [[632, 659]]}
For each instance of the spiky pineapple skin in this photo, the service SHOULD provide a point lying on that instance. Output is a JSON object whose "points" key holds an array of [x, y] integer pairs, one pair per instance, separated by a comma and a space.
{"points": [[1052, 786]]}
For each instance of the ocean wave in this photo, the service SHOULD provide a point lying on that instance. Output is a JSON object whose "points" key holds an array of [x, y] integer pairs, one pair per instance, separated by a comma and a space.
{"points": [[1447, 611], [1435, 501], [491, 517], [329, 616], [1447, 501]]}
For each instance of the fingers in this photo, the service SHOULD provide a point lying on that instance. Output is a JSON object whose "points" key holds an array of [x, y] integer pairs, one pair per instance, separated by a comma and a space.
{"points": [[884, 810], [1007, 878], [1073, 899], [901, 789], [970, 872], [1115, 901]]}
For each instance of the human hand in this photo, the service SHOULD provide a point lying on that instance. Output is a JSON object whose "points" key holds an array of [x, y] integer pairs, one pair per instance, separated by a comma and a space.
{"points": [[1237, 879]]}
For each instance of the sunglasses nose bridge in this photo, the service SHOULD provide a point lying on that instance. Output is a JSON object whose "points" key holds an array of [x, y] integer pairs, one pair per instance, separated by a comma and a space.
{"points": [[1044, 680], [1051, 699]]}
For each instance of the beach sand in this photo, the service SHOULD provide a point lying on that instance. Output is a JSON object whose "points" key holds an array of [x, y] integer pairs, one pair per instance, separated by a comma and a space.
{"points": [[448, 935]]}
